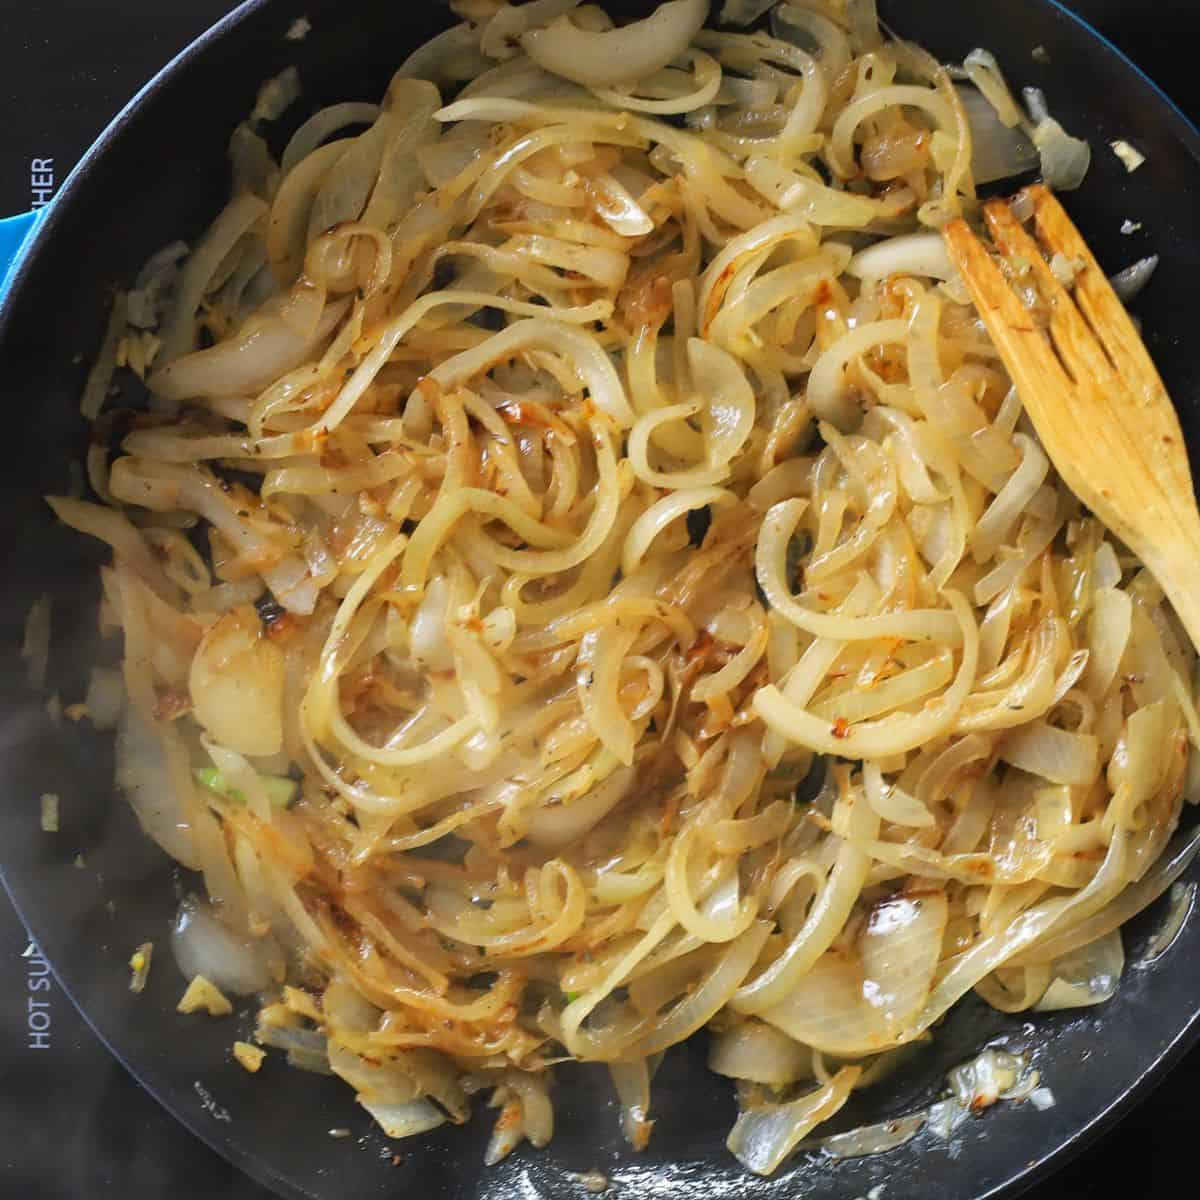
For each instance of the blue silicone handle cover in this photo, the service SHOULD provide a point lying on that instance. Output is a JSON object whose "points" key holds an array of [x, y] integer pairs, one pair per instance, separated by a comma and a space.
{"points": [[14, 235]]}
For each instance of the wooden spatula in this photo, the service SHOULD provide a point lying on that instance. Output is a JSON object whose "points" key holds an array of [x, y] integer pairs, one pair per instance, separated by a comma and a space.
{"points": [[1091, 390]]}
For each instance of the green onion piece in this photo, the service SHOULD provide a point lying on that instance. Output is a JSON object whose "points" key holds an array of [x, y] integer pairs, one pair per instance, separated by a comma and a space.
{"points": [[281, 790]]}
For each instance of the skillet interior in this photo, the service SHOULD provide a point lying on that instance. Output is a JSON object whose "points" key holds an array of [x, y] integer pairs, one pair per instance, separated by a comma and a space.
{"points": [[109, 218]]}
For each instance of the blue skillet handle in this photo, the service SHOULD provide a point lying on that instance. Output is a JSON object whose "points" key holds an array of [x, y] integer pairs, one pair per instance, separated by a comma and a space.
{"points": [[14, 236]]}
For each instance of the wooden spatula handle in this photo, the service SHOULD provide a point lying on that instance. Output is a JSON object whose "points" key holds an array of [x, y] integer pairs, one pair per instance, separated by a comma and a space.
{"points": [[1177, 569]]}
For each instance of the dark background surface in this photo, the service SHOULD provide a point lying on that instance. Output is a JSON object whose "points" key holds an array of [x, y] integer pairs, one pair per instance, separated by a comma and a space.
{"points": [[73, 1124]]}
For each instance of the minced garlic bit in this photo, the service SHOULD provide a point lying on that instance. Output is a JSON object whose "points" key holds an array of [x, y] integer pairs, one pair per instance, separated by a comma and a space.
{"points": [[276, 96], [201, 995], [1128, 226], [1129, 155], [593, 1181], [49, 813], [1040, 55], [340, 1132], [76, 712], [277, 1016], [139, 964], [137, 351], [250, 1057], [299, 1001], [299, 29], [1065, 269]]}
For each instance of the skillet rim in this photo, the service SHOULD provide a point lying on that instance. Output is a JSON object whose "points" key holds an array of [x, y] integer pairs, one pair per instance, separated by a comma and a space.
{"points": [[1035, 1171]]}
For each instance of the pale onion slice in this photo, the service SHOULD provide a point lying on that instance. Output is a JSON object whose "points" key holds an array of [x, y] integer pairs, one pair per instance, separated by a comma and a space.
{"points": [[292, 205], [933, 625], [812, 30], [1181, 901], [617, 208], [1137, 896], [810, 199], [500, 34], [1054, 754], [1011, 501], [841, 139], [105, 697], [413, 103], [178, 331], [321, 125], [276, 96], [427, 633], [887, 736], [997, 151], [743, 12], [921, 254], [892, 803], [578, 349], [537, 1113], [825, 918], [144, 778], [1085, 977], [758, 1052], [667, 89], [828, 395], [744, 249], [1065, 159], [852, 1004], [555, 826], [710, 994], [874, 1139], [616, 56], [984, 72], [204, 945], [261, 352], [863, 20], [398, 1078], [153, 285], [900, 950], [632, 1083], [727, 416], [236, 685], [344, 1005], [509, 1130], [665, 512], [100, 376], [1138, 764], [441, 161], [763, 1137], [1129, 282], [406, 1120], [452, 57]]}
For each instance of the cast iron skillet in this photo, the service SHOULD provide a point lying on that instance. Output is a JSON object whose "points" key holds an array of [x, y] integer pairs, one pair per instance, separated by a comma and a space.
{"points": [[157, 174]]}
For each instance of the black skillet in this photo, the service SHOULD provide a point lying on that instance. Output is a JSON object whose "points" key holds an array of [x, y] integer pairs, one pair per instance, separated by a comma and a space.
{"points": [[157, 174]]}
